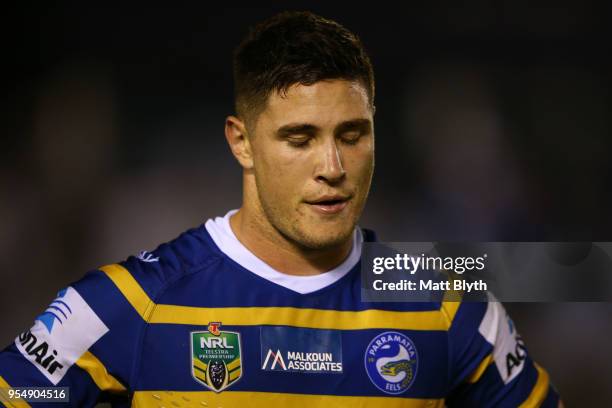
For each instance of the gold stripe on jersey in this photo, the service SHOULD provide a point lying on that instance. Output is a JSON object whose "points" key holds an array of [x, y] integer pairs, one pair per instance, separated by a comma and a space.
{"points": [[479, 371], [449, 309], [98, 373], [301, 317], [267, 399], [10, 402], [279, 316], [130, 289], [539, 391]]}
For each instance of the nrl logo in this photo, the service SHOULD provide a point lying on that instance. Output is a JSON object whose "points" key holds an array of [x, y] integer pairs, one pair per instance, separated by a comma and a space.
{"points": [[216, 361]]}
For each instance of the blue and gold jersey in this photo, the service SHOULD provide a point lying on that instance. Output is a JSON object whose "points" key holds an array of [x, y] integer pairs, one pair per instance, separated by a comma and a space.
{"points": [[196, 323]]}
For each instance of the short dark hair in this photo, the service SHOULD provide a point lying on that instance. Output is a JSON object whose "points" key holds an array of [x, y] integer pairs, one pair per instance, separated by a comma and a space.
{"points": [[295, 47]]}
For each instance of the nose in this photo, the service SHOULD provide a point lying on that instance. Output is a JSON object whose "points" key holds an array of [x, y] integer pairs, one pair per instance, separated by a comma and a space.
{"points": [[329, 168]]}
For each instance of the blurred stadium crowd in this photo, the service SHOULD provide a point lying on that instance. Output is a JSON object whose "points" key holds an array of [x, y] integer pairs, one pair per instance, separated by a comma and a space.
{"points": [[492, 124]]}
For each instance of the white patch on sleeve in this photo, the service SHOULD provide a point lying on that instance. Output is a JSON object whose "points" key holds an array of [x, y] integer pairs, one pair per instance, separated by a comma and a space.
{"points": [[508, 348], [61, 334]]}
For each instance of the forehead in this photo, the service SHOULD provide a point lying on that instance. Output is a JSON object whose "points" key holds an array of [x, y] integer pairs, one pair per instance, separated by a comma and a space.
{"points": [[322, 103]]}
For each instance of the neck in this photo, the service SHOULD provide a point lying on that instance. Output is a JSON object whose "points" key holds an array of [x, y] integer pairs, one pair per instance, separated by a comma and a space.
{"points": [[256, 233]]}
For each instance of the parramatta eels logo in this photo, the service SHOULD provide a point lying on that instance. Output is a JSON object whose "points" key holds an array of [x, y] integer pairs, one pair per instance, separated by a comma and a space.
{"points": [[216, 361], [391, 361]]}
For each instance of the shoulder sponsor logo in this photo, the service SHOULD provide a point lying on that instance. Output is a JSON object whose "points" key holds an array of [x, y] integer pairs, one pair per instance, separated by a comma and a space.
{"points": [[299, 350], [216, 360], [515, 358], [509, 352], [61, 334], [39, 350], [391, 362], [58, 311]]}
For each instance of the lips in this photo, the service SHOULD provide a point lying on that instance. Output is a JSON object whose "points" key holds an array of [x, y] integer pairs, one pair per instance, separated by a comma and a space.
{"points": [[329, 204]]}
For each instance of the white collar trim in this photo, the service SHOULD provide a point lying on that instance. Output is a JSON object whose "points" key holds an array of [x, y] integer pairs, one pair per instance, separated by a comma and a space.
{"points": [[223, 236]]}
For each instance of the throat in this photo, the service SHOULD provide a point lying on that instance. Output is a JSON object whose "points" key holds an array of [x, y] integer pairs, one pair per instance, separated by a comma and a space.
{"points": [[284, 255]]}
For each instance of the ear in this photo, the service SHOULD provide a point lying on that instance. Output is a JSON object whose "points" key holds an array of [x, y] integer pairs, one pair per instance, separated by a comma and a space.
{"points": [[239, 143]]}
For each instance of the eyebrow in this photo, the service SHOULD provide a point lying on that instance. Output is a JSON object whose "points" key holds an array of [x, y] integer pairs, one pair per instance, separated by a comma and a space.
{"points": [[297, 128], [361, 124]]}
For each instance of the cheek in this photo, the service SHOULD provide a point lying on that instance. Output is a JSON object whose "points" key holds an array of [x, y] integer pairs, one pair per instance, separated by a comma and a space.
{"points": [[360, 163], [281, 172]]}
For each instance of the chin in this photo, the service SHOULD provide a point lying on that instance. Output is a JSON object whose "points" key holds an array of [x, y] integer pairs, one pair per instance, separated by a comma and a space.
{"points": [[324, 238]]}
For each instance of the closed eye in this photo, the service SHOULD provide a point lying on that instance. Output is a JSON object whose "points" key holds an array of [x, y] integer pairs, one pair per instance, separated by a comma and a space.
{"points": [[298, 140], [351, 137], [297, 134], [350, 132]]}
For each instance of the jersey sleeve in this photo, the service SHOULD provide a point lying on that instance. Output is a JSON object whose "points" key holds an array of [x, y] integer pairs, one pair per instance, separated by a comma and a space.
{"points": [[86, 340], [490, 365]]}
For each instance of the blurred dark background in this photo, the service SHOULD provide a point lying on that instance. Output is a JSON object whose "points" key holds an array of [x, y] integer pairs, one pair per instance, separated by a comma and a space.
{"points": [[492, 124]]}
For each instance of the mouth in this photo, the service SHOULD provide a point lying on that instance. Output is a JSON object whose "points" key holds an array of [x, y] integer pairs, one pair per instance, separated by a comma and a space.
{"points": [[329, 204]]}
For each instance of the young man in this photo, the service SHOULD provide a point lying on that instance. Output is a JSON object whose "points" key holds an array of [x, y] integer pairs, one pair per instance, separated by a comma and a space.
{"points": [[262, 306]]}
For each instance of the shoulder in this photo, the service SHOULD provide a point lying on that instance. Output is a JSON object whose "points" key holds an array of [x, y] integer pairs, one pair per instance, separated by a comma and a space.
{"points": [[483, 333], [154, 271]]}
